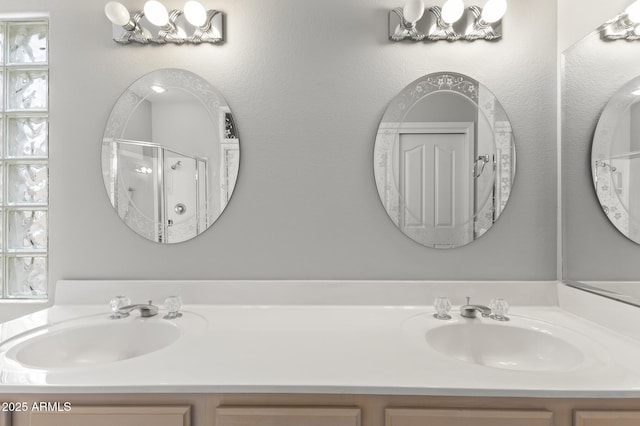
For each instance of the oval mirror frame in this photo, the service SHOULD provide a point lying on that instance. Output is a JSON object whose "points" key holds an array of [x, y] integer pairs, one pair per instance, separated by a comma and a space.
{"points": [[170, 155], [446, 159], [612, 150]]}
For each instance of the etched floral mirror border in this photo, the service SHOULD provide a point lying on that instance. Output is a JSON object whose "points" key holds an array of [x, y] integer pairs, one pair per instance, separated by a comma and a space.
{"points": [[394, 116], [601, 167], [125, 106]]}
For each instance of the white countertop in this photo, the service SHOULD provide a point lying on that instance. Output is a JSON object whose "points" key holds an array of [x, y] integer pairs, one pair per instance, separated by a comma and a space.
{"points": [[344, 349]]}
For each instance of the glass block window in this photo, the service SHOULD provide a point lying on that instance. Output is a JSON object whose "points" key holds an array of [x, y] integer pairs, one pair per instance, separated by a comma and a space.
{"points": [[24, 165]]}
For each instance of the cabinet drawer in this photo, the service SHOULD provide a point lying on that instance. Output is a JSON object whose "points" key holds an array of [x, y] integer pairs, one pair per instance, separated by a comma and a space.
{"points": [[287, 416], [460, 417], [109, 416], [607, 418]]}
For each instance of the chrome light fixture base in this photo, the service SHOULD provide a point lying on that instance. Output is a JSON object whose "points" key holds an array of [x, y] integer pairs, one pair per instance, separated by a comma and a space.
{"points": [[176, 30], [620, 28], [405, 29], [431, 27], [482, 30], [625, 26], [442, 30], [132, 31]]}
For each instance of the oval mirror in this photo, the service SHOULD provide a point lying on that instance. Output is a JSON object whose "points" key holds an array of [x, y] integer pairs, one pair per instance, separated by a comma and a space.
{"points": [[615, 154], [444, 160], [170, 155]]}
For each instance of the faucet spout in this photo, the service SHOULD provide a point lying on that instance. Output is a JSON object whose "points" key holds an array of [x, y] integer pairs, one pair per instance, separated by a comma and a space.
{"points": [[471, 311], [146, 310]]}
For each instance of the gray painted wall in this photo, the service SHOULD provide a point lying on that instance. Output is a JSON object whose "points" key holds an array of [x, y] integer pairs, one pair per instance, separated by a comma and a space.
{"points": [[308, 82], [577, 18], [593, 248]]}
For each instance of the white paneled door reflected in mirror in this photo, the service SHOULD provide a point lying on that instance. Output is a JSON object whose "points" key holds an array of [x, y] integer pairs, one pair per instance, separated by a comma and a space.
{"points": [[170, 156], [444, 160]]}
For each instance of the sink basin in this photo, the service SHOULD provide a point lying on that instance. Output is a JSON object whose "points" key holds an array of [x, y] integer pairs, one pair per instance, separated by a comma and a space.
{"points": [[523, 344], [88, 342], [507, 347]]}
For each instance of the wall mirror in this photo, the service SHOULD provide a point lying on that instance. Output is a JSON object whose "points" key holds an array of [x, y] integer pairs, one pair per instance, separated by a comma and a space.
{"points": [[444, 160], [170, 155], [615, 160]]}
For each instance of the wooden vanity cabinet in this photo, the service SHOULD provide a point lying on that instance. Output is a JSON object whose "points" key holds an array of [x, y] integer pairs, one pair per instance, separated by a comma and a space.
{"points": [[5, 418], [465, 417], [607, 418], [287, 416], [110, 416], [280, 409]]}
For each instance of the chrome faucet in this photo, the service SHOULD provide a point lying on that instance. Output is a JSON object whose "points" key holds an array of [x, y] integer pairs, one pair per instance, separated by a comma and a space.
{"points": [[470, 311], [146, 311]]}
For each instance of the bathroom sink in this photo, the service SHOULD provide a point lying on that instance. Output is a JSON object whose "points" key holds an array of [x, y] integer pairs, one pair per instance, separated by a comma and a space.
{"points": [[91, 341], [505, 346], [522, 344]]}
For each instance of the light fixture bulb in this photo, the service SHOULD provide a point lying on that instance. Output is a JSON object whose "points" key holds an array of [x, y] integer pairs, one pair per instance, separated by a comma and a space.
{"points": [[117, 13], [452, 11], [195, 13], [156, 13], [633, 12], [636, 92], [158, 89], [493, 11], [413, 11]]}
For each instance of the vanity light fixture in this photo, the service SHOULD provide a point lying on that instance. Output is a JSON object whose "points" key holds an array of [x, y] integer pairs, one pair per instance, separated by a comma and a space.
{"points": [[625, 26], [450, 22], [412, 12], [155, 24], [144, 170]]}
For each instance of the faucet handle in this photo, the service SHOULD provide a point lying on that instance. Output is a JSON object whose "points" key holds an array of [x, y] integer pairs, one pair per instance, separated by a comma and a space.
{"points": [[173, 305], [117, 303], [442, 306], [499, 309]]}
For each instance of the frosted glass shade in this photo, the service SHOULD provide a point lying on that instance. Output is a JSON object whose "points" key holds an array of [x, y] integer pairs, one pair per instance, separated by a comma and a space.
{"points": [[156, 13], [633, 12], [413, 10], [452, 11], [117, 13], [494, 10], [195, 13]]}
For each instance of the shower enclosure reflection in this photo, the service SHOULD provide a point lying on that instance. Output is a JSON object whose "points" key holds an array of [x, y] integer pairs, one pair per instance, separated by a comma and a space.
{"points": [[444, 160], [159, 192], [170, 156]]}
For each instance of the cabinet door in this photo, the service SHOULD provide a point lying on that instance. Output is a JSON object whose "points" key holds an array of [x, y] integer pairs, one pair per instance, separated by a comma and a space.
{"points": [[110, 416], [460, 417], [607, 418], [287, 416], [5, 418]]}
